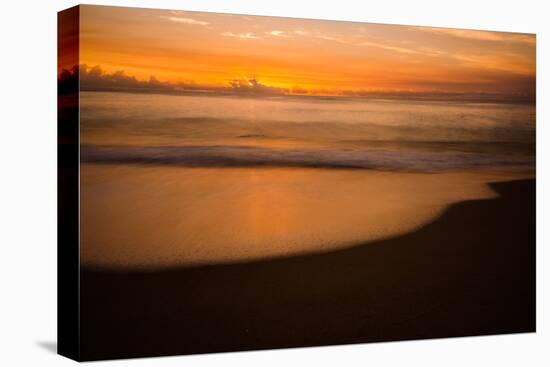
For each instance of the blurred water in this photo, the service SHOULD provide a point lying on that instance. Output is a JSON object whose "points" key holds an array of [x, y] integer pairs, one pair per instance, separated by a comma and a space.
{"points": [[304, 131], [191, 180]]}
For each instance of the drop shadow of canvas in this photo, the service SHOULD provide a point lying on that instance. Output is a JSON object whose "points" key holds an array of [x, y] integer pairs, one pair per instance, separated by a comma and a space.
{"points": [[50, 346]]}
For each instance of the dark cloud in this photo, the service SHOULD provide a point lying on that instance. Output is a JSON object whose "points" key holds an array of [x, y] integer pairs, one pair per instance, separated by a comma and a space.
{"points": [[299, 90], [67, 81], [95, 79], [253, 86]]}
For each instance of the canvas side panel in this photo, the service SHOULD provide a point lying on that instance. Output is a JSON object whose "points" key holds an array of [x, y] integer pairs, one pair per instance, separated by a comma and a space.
{"points": [[68, 339]]}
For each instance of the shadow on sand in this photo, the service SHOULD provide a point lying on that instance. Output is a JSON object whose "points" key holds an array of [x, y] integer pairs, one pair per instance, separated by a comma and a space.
{"points": [[469, 272]]}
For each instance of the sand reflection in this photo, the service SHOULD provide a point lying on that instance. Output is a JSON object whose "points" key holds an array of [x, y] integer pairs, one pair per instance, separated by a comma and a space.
{"points": [[136, 216]]}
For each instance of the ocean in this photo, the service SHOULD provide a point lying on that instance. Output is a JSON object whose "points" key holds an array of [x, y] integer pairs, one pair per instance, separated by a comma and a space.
{"points": [[171, 180]]}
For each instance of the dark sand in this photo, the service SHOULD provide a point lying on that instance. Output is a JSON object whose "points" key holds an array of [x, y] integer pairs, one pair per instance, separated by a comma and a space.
{"points": [[469, 272]]}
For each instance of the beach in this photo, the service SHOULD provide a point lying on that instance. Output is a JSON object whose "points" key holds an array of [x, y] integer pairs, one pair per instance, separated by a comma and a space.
{"points": [[156, 216], [470, 271], [273, 222]]}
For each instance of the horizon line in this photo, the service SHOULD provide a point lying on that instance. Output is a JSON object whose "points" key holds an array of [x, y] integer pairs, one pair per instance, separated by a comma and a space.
{"points": [[94, 79]]}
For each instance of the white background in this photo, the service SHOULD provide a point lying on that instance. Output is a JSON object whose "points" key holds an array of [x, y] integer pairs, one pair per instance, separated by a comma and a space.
{"points": [[28, 183]]}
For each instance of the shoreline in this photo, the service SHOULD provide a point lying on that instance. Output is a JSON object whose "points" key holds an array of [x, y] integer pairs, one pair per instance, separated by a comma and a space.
{"points": [[158, 217], [471, 271]]}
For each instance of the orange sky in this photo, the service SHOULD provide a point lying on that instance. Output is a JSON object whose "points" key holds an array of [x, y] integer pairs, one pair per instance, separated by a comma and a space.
{"points": [[322, 57]]}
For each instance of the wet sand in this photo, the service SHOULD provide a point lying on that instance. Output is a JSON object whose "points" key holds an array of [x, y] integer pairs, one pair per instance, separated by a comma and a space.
{"points": [[154, 217], [471, 271]]}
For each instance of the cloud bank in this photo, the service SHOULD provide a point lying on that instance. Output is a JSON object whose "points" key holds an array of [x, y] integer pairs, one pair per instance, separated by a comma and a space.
{"points": [[96, 79]]}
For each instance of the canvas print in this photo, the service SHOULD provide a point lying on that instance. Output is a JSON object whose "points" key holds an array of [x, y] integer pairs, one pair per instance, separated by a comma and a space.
{"points": [[234, 182]]}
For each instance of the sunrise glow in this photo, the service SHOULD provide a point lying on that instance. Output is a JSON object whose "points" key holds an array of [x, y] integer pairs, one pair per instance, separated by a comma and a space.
{"points": [[304, 56]]}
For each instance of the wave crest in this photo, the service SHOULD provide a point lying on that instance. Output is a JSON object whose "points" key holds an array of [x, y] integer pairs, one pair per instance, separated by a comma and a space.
{"points": [[249, 156]]}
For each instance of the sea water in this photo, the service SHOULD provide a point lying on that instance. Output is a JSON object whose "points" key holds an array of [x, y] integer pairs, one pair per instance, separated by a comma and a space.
{"points": [[172, 180]]}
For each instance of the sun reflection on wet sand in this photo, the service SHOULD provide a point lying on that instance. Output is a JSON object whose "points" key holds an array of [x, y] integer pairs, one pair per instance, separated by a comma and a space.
{"points": [[155, 216]]}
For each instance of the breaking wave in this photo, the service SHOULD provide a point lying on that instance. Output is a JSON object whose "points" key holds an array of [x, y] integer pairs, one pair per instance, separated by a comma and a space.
{"points": [[251, 156]]}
